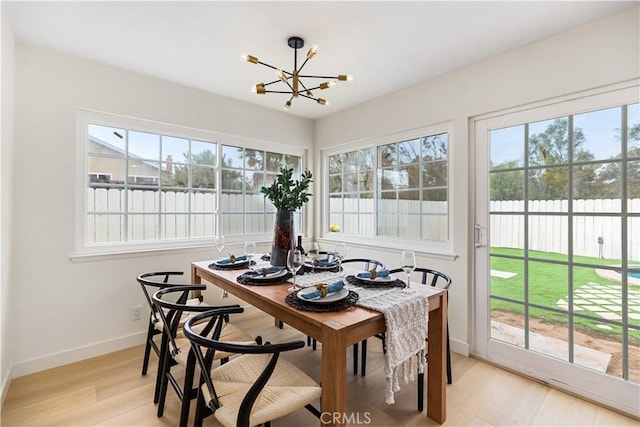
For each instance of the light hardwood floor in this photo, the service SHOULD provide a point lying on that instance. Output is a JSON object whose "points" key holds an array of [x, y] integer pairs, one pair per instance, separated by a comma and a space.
{"points": [[109, 391]]}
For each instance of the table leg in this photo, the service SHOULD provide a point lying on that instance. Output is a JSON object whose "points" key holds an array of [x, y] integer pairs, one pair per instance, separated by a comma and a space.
{"points": [[334, 377], [196, 280], [436, 368]]}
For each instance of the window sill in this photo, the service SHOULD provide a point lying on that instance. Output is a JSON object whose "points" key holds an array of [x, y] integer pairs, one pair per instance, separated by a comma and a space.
{"points": [[134, 253]]}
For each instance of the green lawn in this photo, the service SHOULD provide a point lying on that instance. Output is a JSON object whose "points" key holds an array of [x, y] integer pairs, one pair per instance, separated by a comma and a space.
{"points": [[548, 283]]}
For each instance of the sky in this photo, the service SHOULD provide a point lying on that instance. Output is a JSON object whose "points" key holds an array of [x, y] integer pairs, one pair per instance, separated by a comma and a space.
{"points": [[600, 128]]}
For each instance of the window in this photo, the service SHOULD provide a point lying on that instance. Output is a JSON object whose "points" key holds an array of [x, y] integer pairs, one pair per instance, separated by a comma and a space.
{"points": [[397, 188], [244, 172], [153, 185]]}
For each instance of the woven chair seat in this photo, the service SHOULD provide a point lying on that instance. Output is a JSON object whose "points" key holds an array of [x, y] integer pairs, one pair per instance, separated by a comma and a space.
{"points": [[288, 389], [191, 302], [230, 334]]}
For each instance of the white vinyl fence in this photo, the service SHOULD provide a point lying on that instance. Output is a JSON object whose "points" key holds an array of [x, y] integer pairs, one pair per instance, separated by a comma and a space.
{"points": [[549, 233], [105, 221]]}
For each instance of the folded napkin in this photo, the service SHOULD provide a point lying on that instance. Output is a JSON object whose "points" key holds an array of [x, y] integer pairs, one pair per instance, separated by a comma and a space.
{"points": [[373, 274], [232, 259], [262, 271], [322, 290]]}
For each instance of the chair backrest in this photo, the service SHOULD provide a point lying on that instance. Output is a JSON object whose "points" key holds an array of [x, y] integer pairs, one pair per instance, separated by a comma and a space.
{"points": [[206, 342], [429, 277], [171, 303], [152, 281], [367, 264]]}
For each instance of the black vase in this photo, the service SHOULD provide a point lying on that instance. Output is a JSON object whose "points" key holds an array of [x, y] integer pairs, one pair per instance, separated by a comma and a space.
{"points": [[283, 238]]}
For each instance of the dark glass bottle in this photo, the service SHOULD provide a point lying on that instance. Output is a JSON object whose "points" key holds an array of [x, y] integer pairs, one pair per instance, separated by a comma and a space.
{"points": [[301, 249]]}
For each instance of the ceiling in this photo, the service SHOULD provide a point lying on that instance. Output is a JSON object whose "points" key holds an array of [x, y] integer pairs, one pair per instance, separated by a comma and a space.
{"points": [[386, 46]]}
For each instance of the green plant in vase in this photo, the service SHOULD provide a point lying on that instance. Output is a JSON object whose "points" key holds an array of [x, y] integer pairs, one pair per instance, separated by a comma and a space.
{"points": [[287, 195]]}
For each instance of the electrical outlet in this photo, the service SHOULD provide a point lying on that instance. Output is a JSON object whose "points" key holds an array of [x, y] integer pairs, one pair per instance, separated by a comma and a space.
{"points": [[136, 312]]}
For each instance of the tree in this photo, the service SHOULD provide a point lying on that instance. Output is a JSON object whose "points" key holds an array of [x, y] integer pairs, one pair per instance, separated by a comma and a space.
{"points": [[507, 185], [609, 178], [551, 148], [202, 171]]}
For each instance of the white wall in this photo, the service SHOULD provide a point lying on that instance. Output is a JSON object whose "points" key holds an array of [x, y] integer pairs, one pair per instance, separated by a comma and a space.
{"points": [[6, 191], [68, 310], [593, 55]]}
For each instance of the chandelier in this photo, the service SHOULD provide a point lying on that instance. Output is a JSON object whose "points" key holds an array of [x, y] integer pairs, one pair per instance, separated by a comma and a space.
{"points": [[293, 79]]}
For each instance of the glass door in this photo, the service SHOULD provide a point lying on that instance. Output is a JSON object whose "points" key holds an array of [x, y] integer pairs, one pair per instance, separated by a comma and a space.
{"points": [[557, 259]]}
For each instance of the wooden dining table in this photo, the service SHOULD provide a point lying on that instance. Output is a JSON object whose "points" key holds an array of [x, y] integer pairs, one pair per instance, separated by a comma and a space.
{"points": [[337, 331]]}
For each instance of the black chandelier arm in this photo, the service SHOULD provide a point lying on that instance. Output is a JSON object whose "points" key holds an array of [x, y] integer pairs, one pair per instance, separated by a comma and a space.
{"points": [[288, 84], [311, 88], [303, 64], [302, 84], [280, 91], [267, 65], [318, 77], [309, 97], [270, 83]]}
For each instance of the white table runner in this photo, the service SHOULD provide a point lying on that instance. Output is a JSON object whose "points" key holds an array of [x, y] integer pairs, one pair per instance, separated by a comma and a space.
{"points": [[406, 315]]}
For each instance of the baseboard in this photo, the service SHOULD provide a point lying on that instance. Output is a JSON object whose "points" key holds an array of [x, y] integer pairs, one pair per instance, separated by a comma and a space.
{"points": [[76, 354], [5, 386], [80, 353], [459, 347]]}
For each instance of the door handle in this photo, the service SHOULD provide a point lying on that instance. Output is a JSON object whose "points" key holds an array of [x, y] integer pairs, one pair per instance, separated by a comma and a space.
{"points": [[478, 232]]}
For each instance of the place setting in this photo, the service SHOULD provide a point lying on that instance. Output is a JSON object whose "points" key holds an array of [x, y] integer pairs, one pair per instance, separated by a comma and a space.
{"points": [[322, 297], [375, 279], [233, 262], [329, 296], [320, 261]]}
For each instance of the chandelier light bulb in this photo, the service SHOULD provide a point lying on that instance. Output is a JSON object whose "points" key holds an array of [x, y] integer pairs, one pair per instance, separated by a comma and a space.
{"points": [[249, 58], [327, 85], [281, 75], [312, 52], [258, 88], [322, 101]]}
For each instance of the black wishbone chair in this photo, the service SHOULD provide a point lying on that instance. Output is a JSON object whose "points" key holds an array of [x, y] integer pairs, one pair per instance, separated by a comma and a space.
{"points": [[175, 349], [254, 388], [151, 282]]}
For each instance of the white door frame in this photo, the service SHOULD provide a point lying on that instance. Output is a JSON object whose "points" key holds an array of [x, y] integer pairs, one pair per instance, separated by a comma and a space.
{"points": [[607, 390]]}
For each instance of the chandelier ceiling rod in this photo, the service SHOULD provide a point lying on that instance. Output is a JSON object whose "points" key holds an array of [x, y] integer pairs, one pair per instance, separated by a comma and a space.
{"points": [[292, 79]]}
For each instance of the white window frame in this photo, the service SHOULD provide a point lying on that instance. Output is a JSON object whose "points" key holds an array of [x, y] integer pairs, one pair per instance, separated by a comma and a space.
{"points": [[87, 117], [444, 247]]}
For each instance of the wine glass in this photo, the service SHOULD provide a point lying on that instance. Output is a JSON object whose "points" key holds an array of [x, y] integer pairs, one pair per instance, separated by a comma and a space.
{"points": [[314, 252], [295, 260], [250, 251], [408, 264], [340, 251], [219, 242]]}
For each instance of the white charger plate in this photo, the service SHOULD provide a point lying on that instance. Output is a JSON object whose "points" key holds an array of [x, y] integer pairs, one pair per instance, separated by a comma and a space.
{"points": [[332, 297], [377, 280], [276, 274], [231, 264], [321, 267]]}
